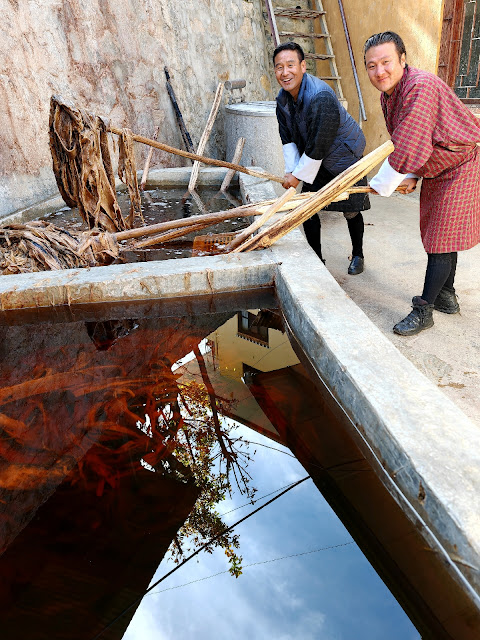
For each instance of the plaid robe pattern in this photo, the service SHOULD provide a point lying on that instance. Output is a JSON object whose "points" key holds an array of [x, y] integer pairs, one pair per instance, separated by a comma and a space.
{"points": [[435, 137]]}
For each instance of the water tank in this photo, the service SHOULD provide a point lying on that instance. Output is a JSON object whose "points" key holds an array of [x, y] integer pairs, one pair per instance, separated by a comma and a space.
{"points": [[257, 123]]}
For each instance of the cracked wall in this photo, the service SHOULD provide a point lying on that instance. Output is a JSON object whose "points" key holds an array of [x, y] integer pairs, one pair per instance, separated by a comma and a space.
{"points": [[109, 56]]}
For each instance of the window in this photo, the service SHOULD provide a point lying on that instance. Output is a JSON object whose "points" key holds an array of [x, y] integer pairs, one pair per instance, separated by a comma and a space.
{"points": [[459, 60]]}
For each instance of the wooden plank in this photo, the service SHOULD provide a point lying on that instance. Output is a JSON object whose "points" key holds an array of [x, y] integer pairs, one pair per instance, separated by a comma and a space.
{"points": [[298, 14], [205, 135], [318, 56], [293, 34]]}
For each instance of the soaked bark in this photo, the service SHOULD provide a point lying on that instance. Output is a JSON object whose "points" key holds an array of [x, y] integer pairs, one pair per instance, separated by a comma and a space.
{"points": [[83, 167], [40, 246], [127, 172]]}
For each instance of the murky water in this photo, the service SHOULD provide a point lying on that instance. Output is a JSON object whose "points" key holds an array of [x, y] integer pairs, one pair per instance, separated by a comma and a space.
{"points": [[162, 205], [120, 423]]}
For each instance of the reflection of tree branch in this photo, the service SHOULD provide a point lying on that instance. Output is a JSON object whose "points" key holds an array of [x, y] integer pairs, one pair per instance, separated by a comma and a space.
{"points": [[228, 455], [189, 445]]}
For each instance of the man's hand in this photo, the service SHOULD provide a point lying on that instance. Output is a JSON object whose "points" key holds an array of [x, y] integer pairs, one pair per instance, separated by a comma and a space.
{"points": [[290, 181], [409, 184]]}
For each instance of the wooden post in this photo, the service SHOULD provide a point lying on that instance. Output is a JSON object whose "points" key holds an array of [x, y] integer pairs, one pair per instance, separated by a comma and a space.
{"points": [[187, 140], [237, 156], [148, 161], [205, 135]]}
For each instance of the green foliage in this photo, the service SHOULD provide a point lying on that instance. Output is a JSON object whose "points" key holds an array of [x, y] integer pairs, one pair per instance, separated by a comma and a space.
{"points": [[204, 444]]}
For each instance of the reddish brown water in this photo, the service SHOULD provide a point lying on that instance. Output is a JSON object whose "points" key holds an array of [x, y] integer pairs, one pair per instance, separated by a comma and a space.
{"points": [[92, 492], [162, 205]]}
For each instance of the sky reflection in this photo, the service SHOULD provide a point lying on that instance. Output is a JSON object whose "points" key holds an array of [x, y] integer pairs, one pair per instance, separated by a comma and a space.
{"points": [[332, 594]]}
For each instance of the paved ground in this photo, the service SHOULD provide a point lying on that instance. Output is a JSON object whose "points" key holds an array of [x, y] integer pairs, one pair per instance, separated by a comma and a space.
{"points": [[449, 352]]}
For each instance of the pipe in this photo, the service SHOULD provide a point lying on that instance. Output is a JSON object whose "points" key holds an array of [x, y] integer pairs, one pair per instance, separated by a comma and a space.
{"points": [[352, 60]]}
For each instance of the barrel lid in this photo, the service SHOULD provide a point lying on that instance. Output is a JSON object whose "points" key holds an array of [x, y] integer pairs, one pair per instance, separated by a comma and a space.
{"points": [[267, 108]]}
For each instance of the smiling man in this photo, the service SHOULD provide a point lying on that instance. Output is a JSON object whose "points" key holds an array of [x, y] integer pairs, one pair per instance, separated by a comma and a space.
{"points": [[436, 137], [320, 139]]}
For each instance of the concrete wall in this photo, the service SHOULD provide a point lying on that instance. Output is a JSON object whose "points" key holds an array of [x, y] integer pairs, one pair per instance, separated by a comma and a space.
{"points": [[109, 56], [419, 24]]}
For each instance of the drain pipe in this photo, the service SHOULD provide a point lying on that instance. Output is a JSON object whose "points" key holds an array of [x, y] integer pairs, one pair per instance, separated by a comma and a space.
{"points": [[363, 114]]}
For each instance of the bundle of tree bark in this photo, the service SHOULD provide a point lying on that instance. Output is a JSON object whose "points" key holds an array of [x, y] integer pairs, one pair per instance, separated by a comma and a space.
{"points": [[40, 246], [83, 166]]}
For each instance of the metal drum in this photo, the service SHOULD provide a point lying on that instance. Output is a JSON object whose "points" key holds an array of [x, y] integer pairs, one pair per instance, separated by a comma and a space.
{"points": [[257, 123]]}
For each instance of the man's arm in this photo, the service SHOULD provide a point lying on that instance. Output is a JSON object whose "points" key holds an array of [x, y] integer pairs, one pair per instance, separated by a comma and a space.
{"points": [[291, 155], [413, 137], [323, 120], [387, 180]]}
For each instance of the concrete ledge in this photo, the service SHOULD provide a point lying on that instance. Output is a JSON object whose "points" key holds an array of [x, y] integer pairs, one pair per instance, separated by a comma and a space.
{"points": [[180, 177], [138, 281], [35, 211], [428, 449], [424, 449]]}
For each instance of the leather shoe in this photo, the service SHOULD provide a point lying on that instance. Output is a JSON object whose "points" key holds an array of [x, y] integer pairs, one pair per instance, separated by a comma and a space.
{"points": [[356, 266], [447, 301], [419, 318]]}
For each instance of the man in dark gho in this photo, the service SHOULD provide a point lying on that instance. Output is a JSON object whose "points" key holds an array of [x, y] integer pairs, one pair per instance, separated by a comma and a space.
{"points": [[436, 137], [320, 140]]}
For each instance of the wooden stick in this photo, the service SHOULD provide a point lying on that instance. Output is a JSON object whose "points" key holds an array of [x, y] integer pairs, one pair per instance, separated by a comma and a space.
{"points": [[237, 156], [214, 218], [319, 200], [206, 135], [255, 209], [198, 201], [204, 159], [256, 224], [165, 237], [187, 140], [148, 161]]}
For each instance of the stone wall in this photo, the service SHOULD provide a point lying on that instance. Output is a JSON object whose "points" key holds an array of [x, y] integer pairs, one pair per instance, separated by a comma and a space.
{"points": [[109, 56]]}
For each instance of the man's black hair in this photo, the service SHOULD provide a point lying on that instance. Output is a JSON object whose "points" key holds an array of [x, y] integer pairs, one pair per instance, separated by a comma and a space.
{"points": [[381, 38], [289, 46]]}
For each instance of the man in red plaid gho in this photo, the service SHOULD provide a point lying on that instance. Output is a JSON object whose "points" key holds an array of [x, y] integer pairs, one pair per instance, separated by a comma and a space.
{"points": [[437, 138]]}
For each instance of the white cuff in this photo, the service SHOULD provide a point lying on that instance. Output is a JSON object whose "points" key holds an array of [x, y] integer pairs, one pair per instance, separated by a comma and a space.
{"points": [[291, 156], [307, 169], [387, 179], [412, 175]]}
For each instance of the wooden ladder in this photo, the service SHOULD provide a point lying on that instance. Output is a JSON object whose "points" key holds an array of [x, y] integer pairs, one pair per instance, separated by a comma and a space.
{"points": [[318, 31]]}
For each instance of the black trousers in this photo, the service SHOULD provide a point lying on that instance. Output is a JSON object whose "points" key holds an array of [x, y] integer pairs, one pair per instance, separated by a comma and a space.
{"points": [[440, 273], [313, 229]]}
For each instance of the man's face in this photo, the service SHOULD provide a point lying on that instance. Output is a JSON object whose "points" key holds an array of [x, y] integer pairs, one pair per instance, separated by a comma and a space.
{"points": [[289, 71], [384, 67]]}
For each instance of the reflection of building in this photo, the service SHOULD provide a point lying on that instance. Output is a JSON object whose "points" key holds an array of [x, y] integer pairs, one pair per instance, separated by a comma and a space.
{"points": [[249, 342], [250, 330]]}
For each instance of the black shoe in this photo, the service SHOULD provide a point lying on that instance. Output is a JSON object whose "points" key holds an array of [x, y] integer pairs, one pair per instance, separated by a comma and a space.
{"points": [[446, 301], [419, 318], [356, 266]]}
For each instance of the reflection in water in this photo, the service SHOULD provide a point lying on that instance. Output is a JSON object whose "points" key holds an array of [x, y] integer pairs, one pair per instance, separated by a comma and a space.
{"points": [[115, 445], [98, 430]]}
